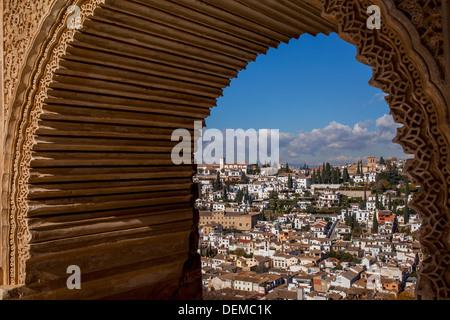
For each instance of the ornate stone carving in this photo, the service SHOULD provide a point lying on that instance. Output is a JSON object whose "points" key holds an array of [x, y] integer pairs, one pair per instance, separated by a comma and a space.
{"points": [[21, 21], [49, 63], [424, 132], [427, 18]]}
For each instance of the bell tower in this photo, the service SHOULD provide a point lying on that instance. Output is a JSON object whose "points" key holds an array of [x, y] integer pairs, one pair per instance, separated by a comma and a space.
{"points": [[372, 163]]}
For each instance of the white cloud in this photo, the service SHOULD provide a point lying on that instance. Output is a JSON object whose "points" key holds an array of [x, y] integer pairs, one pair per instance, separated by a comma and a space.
{"points": [[378, 97], [338, 142], [387, 128]]}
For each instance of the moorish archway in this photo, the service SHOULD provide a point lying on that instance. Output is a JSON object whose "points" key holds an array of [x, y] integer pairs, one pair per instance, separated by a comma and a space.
{"points": [[88, 113]]}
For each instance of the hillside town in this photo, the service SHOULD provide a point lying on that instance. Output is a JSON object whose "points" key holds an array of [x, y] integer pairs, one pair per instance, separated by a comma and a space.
{"points": [[327, 233]]}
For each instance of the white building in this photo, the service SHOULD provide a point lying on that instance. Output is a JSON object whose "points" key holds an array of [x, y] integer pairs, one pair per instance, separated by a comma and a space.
{"points": [[219, 206], [345, 280], [283, 261], [329, 198], [320, 229], [302, 182]]}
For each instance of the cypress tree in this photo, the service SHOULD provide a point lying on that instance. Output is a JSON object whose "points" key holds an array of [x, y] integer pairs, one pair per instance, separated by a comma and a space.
{"points": [[363, 205], [324, 175], [354, 222], [244, 178], [262, 215], [217, 185], [225, 194], [335, 176], [240, 195], [327, 173], [346, 176], [347, 218], [406, 202], [375, 223], [377, 201]]}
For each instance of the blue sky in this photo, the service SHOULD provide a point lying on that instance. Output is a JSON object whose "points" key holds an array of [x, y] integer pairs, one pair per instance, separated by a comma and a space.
{"points": [[315, 92]]}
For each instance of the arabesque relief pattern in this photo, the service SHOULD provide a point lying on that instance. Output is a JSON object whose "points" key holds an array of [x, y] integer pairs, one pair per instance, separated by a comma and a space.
{"points": [[426, 16], [414, 102], [49, 63], [21, 20], [424, 126]]}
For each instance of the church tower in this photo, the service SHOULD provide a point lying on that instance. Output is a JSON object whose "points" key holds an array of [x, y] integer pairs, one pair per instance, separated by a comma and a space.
{"points": [[372, 163]]}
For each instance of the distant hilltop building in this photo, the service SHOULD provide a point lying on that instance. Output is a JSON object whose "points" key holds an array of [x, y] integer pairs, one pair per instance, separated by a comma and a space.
{"points": [[229, 220], [371, 166], [371, 163], [234, 166]]}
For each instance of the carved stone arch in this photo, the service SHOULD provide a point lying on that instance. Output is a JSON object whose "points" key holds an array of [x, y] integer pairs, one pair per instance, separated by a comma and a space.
{"points": [[412, 71], [86, 174]]}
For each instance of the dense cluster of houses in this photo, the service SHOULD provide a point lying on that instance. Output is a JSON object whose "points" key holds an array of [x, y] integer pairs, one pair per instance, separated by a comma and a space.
{"points": [[298, 255], [274, 257]]}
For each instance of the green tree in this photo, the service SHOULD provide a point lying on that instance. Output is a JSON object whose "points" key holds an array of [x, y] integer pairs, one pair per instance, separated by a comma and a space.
{"points": [[348, 218], [377, 201], [217, 185], [244, 178], [407, 210], [363, 204], [375, 223], [334, 176], [290, 183], [314, 178], [262, 215], [327, 173], [355, 223], [310, 210], [240, 196], [391, 174], [346, 176], [225, 194]]}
